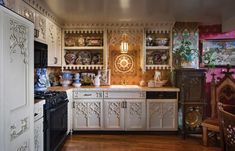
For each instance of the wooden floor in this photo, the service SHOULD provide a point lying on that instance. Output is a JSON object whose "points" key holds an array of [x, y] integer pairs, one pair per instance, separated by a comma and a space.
{"points": [[97, 142]]}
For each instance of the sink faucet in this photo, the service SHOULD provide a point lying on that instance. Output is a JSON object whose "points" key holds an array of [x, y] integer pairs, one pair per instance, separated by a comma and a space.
{"points": [[124, 82]]}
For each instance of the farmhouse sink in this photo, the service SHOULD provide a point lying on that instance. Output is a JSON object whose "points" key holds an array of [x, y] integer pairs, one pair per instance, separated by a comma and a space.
{"points": [[125, 86]]}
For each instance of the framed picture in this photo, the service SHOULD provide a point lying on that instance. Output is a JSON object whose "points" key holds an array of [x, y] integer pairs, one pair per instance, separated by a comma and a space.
{"points": [[218, 52]]}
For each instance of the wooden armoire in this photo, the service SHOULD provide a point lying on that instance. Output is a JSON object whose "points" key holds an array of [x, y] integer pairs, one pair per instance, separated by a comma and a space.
{"points": [[191, 100]]}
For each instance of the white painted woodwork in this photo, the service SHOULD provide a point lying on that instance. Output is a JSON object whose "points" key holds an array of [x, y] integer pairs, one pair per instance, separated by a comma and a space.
{"points": [[124, 110], [87, 114], [113, 114], [38, 135], [70, 107], [124, 94], [53, 39], [16, 82], [135, 114], [87, 94], [86, 48], [40, 25], [162, 114]]}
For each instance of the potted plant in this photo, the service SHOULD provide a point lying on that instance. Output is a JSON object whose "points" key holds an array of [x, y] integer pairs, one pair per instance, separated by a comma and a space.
{"points": [[185, 54]]}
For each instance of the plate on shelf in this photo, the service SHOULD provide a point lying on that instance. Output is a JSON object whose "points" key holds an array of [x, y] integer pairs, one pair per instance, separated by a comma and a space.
{"points": [[157, 57], [85, 57], [69, 41], [70, 57]]}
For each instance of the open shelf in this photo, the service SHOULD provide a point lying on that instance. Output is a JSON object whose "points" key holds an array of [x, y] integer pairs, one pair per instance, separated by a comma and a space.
{"points": [[76, 67]]}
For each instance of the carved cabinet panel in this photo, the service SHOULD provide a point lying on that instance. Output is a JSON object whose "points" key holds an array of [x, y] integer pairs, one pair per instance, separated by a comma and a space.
{"points": [[53, 39], [162, 114], [87, 114], [135, 114], [16, 80], [40, 26], [114, 114]]}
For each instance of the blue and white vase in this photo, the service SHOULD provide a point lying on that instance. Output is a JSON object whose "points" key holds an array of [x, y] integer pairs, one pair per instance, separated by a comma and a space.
{"points": [[42, 81]]}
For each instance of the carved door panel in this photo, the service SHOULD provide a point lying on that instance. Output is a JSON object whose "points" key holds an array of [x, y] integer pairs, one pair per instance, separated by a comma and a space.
{"points": [[16, 73], [51, 41], [169, 115], [87, 114], [38, 135], [40, 26], [135, 114], [114, 114], [58, 49], [161, 114], [193, 88]]}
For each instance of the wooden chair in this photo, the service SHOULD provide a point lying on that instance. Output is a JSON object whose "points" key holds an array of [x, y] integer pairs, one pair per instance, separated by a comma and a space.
{"points": [[227, 127], [224, 92]]}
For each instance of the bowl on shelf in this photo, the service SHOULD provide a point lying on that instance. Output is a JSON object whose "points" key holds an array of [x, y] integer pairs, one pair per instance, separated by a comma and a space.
{"points": [[161, 41], [65, 83], [160, 83], [77, 85]]}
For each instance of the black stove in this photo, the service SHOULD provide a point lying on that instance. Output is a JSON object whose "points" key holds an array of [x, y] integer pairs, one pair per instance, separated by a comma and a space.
{"points": [[55, 118], [53, 98]]}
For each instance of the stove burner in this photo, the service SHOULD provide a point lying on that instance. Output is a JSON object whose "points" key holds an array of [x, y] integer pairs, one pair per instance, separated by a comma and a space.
{"points": [[53, 98]]}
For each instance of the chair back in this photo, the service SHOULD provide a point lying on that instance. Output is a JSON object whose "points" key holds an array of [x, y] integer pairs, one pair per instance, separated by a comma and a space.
{"points": [[227, 126], [222, 92]]}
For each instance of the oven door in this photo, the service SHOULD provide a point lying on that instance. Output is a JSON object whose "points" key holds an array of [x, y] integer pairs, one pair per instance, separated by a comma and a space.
{"points": [[56, 127]]}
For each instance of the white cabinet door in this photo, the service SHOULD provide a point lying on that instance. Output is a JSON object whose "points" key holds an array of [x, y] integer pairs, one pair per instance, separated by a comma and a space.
{"points": [[162, 114], [113, 114], [38, 135], [87, 114], [135, 114], [40, 26], [53, 39], [16, 82]]}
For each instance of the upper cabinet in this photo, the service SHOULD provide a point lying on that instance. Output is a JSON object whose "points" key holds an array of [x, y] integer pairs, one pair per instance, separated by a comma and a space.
{"points": [[40, 26], [84, 49], [157, 50], [53, 40]]}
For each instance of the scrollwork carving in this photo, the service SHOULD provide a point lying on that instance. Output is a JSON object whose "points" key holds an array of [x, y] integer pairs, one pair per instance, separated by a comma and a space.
{"points": [[114, 108], [136, 109], [19, 127], [24, 147], [155, 108], [18, 34]]}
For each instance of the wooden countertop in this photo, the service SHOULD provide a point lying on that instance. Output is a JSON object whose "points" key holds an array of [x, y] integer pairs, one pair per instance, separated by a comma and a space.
{"points": [[114, 88]]}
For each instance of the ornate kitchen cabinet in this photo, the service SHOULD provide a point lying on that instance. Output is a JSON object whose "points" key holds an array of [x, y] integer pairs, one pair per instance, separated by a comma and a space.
{"points": [[162, 108], [40, 27], [191, 100], [87, 110], [157, 53], [84, 49], [53, 40], [124, 110], [16, 82]]}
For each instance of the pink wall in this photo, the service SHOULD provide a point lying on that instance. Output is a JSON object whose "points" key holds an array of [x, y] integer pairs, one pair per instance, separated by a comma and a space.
{"points": [[213, 32]]}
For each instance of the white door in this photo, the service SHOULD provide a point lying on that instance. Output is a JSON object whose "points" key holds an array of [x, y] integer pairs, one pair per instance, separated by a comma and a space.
{"points": [[135, 114], [87, 114], [17, 81], [113, 114], [38, 135]]}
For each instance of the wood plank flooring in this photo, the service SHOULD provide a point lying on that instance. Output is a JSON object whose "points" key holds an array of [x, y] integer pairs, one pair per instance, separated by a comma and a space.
{"points": [[97, 142]]}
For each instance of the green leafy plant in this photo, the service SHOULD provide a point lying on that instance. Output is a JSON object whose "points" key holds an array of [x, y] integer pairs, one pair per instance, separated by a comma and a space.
{"points": [[185, 52]]}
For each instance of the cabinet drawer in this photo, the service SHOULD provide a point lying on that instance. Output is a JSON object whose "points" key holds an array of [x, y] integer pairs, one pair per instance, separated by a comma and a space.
{"points": [[87, 95], [127, 95], [161, 95]]}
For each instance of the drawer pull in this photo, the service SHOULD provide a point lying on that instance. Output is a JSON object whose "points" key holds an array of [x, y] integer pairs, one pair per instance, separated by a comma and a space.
{"points": [[87, 94]]}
